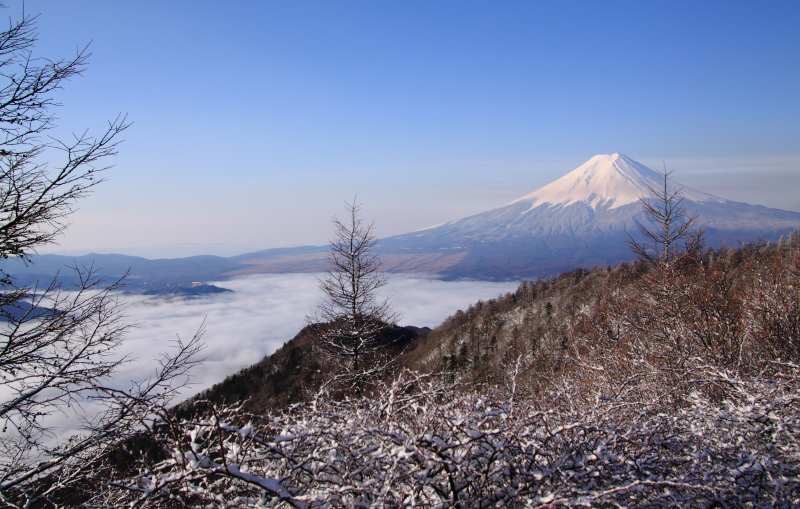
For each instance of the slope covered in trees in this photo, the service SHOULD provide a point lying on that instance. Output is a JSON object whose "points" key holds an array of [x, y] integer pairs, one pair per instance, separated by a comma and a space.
{"points": [[288, 376], [731, 308], [647, 384]]}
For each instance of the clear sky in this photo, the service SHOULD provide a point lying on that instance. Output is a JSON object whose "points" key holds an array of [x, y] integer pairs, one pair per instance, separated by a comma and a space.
{"points": [[254, 121]]}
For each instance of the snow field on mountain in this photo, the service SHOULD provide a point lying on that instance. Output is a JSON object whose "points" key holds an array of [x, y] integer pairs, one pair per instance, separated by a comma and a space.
{"points": [[612, 179]]}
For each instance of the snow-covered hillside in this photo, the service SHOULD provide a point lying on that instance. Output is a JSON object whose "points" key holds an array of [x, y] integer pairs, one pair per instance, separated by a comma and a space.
{"points": [[581, 220]]}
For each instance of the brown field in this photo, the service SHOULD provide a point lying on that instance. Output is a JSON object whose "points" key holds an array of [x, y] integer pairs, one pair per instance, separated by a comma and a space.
{"points": [[427, 263]]}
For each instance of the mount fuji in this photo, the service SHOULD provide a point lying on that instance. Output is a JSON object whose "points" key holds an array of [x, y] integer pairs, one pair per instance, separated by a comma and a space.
{"points": [[580, 220]]}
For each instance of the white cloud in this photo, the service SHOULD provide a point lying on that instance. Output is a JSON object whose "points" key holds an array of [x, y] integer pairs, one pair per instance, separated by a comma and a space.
{"points": [[262, 313], [265, 311]]}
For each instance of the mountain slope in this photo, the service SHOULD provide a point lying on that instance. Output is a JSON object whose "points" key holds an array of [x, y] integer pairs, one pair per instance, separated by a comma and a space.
{"points": [[580, 220], [611, 180]]}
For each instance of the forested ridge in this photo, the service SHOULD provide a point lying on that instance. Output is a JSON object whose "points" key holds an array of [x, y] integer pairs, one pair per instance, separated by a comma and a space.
{"points": [[672, 382], [735, 308], [646, 384], [288, 376]]}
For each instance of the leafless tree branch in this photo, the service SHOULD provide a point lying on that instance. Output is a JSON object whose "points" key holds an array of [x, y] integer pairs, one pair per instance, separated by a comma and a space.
{"points": [[351, 323]]}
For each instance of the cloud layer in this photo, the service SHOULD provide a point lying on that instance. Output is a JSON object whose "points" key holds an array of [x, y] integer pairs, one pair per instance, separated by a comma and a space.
{"points": [[264, 312]]}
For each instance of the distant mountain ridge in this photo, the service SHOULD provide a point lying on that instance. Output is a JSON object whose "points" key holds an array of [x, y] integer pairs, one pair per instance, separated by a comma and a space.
{"points": [[579, 220], [144, 274]]}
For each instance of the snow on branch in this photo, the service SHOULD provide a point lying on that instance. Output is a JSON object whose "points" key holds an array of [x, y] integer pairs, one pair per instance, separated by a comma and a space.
{"points": [[424, 444]]}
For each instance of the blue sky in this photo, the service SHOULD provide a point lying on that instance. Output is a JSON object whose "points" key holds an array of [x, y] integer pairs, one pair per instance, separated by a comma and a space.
{"points": [[254, 121]]}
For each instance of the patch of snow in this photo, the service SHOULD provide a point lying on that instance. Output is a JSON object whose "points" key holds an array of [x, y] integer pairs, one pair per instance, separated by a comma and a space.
{"points": [[432, 227], [428, 228], [606, 179]]}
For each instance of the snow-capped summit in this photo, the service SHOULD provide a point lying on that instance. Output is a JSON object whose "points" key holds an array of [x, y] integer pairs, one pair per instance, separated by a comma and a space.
{"points": [[611, 180], [582, 219]]}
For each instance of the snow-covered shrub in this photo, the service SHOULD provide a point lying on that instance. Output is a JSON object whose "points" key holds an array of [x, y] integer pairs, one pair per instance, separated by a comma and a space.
{"points": [[424, 444]]}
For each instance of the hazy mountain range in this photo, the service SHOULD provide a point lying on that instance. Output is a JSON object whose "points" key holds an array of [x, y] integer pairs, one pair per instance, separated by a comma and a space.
{"points": [[580, 220]]}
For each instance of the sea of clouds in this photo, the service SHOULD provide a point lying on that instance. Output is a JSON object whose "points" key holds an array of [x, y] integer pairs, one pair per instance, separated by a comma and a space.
{"points": [[265, 311], [261, 314]]}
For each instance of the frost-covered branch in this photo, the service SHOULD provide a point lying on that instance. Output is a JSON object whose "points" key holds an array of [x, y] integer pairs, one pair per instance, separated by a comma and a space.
{"points": [[424, 444]]}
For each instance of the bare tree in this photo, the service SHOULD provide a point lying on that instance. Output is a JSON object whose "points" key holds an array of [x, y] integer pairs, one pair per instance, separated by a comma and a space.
{"points": [[352, 322], [424, 443], [35, 200], [672, 223], [58, 344]]}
